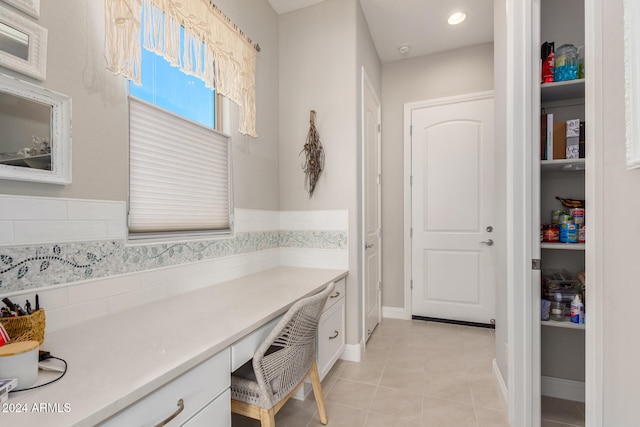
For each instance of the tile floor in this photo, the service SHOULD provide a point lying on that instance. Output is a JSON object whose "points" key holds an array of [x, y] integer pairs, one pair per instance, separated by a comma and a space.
{"points": [[417, 373]]}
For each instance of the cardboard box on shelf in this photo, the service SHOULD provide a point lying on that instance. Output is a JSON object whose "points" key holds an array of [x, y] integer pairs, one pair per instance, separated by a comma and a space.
{"points": [[572, 139], [559, 141]]}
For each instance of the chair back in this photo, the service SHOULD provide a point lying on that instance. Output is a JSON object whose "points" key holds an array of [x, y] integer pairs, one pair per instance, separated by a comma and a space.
{"points": [[286, 355]]}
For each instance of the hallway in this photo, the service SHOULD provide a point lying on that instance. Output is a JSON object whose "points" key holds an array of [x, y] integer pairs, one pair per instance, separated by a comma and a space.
{"points": [[415, 374]]}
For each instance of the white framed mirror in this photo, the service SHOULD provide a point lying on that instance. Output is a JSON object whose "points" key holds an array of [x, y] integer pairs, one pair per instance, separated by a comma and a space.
{"points": [[632, 80], [32, 7], [23, 45], [35, 142]]}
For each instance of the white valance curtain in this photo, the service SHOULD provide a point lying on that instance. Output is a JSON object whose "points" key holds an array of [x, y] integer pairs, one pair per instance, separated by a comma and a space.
{"points": [[214, 49]]}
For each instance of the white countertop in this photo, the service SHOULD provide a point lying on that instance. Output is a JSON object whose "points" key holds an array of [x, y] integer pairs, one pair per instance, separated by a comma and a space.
{"points": [[115, 360]]}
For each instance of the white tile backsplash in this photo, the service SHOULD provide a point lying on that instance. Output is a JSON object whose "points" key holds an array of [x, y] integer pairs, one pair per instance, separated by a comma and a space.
{"points": [[51, 220], [315, 258], [117, 229], [27, 232], [32, 208], [6, 232], [33, 220], [314, 220], [247, 220]]}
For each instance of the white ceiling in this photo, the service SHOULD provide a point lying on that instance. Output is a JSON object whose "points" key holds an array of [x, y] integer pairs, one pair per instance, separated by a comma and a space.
{"points": [[422, 24]]}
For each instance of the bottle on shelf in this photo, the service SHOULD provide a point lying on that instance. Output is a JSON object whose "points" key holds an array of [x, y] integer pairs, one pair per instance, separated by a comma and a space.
{"points": [[577, 310]]}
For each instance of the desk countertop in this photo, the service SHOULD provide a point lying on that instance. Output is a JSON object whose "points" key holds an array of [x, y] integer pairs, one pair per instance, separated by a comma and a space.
{"points": [[115, 360]]}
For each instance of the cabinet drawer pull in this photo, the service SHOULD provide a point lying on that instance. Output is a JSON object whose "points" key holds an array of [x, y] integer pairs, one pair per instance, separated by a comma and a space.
{"points": [[172, 416], [336, 333], [336, 295]]}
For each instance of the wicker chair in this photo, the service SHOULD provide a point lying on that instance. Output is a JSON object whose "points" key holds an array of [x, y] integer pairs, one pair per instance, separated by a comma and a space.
{"points": [[280, 365]]}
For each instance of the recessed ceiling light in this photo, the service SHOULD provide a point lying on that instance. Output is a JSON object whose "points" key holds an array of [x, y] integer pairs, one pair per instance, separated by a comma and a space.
{"points": [[405, 48], [457, 18]]}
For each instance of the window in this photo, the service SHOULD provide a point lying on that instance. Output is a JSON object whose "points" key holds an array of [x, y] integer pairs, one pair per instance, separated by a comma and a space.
{"points": [[170, 88], [179, 167]]}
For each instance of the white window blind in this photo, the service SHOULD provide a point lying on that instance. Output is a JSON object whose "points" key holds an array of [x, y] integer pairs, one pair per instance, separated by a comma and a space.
{"points": [[178, 173]]}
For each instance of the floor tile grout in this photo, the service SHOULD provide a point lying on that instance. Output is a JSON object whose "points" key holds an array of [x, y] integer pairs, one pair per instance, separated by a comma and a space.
{"points": [[451, 349]]}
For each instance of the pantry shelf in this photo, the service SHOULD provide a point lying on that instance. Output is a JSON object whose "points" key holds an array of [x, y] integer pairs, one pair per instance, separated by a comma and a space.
{"points": [[565, 324], [556, 91], [564, 246], [562, 165]]}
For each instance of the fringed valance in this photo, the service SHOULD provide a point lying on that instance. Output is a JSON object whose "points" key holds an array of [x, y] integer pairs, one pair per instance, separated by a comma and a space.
{"points": [[214, 49]]}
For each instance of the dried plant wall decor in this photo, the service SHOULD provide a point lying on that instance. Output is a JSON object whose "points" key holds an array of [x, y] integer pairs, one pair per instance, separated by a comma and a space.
{"points": [[314, 156]]}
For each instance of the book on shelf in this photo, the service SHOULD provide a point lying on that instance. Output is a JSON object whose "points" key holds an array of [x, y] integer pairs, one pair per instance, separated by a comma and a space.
{"points": [[546, 136], [581, 146], [551, 138]]}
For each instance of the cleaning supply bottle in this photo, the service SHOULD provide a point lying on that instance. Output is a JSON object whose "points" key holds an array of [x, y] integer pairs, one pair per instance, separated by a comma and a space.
{"points": [[576, 310]]}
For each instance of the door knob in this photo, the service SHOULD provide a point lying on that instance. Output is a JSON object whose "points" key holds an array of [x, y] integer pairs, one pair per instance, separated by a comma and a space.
{"points": [[368, 245], [488, 242]]}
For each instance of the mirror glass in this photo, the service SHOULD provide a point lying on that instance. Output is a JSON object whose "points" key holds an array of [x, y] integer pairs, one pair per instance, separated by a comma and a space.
{"points": [[26, 132], [14, 41], [35, 133]]}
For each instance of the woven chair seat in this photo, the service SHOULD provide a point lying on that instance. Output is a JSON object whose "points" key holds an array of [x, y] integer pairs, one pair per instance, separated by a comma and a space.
{"points": [[282, 362]]}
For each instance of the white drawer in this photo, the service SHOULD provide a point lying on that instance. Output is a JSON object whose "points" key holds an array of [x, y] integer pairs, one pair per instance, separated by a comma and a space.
{"points": [[196, 387], [331, 337], [244, 349], [215, 414], [337, 294]]}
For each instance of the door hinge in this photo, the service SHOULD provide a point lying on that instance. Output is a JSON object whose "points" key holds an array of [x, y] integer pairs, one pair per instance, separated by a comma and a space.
{"points": [[380, 286], [410, 179], [411, 232], [411, 284], [378, 233], [379, 179], [379, 127], [410, 130], [536, 264]]}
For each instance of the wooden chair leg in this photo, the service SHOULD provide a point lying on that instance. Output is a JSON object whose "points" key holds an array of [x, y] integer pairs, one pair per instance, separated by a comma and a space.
{"points": [[267, 418], [317, 392]]}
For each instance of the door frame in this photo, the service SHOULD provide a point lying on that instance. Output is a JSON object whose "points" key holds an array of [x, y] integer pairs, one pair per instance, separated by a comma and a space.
{"points": [[408, 111], [365, 82], [522, 91]]}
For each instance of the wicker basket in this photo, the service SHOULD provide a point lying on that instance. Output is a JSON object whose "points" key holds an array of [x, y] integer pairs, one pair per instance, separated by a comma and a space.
{"points": [[26, 328]]}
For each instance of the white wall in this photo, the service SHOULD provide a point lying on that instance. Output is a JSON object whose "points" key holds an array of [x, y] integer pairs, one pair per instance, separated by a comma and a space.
{"points": [[444, 74], [620, 246], [321, 50]]}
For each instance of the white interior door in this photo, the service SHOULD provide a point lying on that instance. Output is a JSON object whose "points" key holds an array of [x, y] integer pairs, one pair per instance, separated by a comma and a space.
{"points": [[372, 206], [452, 210]]}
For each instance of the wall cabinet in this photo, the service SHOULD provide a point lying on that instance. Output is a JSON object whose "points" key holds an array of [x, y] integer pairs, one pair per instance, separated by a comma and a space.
{"points": [[562, 346]]}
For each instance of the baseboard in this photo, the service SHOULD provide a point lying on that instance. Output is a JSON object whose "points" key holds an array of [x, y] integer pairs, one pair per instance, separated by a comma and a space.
{"points": [[353, 352], [563, 389], [502, 386], [393, 313]]}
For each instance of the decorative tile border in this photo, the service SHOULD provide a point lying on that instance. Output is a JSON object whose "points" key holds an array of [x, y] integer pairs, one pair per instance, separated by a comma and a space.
{"points": [[31, 267], [314, 239]]}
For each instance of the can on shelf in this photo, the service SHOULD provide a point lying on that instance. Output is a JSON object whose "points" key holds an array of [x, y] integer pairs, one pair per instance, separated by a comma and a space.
{"points": [[555, 216], [550, 233], [565, 219], [578, 215], [569, 233]]}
